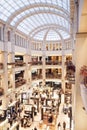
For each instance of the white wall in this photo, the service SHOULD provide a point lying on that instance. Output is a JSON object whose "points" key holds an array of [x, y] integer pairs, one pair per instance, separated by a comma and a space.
{"points": [[81, 59]]}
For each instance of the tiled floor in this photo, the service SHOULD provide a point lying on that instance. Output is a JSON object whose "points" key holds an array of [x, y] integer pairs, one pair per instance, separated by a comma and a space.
{"points": [[61, 117]]}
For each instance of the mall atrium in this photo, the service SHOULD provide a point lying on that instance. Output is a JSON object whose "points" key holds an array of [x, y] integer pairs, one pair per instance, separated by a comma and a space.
{"points": [[43, 65]]}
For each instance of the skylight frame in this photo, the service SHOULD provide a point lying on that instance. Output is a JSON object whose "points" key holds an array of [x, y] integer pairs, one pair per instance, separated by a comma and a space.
{"points": [[14, 6]]}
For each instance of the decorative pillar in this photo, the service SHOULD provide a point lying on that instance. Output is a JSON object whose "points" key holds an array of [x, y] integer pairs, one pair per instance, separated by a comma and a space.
{"points": [[63, 66], [2, 34], [29, 49], [26, 70], [5, 74], [12, 60], [43, 62]]}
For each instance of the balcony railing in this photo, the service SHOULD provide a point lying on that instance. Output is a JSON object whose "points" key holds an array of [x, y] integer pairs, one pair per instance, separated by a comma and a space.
{"points": [[53, 76], [47, 63], [53, 62], [20, 64], [36, 77], [20, 82], [11, 65], [36, 63]]}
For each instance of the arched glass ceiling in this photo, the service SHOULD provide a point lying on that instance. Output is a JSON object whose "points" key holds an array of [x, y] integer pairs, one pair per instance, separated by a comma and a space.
{"points": [[40, 20], [50, 35], [29, 15], [38, 9]]}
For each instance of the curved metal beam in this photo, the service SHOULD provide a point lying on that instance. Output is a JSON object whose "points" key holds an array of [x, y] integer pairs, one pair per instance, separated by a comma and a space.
{"points": [[59, 34], [46, 34], [52, 28], [34, 6], [39, 28], [41, 12]]}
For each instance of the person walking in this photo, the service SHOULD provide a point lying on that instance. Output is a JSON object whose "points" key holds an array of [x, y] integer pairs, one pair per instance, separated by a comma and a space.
{"points": [[59, 125], [64, 125]]}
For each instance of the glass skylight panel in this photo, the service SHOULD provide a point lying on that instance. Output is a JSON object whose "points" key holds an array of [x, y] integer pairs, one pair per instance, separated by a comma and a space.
{"points": [[3, 17], [37, 20], [26, 11], [32, 20], [47, 16], [15, 6], [2, 2], [33, 9], [25, 2], [40, 35], [20, 3], [44, 1], [52, 20], [42, 18], [52, 35], [64, 34], [54, 1], [23, 30], [31, 1]]}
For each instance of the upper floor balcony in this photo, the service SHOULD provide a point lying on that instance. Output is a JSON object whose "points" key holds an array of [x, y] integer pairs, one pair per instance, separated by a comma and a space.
{"points": [[53, 62], [19, 82], [53, 76], [36, 63], [19, 64], [37, 76]]}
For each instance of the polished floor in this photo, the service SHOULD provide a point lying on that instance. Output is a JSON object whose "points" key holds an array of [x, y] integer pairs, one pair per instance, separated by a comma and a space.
{"points": [[60, 118]]}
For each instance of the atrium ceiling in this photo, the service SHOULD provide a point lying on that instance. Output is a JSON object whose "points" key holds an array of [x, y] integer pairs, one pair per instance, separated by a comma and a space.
{"points": [[39, 19]]}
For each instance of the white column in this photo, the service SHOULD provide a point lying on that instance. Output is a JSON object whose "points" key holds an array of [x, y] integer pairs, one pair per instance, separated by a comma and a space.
{"points": [[26, 76], [63, 66], [12, 60], [2, 34], [43, 62], [29, 49], [5, 79], [5, 74]]}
